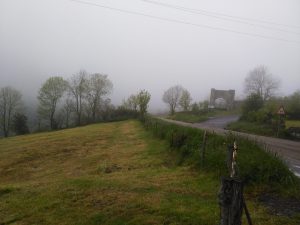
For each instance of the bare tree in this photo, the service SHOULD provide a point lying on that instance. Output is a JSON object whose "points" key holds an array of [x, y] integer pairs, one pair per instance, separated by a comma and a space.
{"points": [[261, 82], [172, 96], [78, 88], [67, 110], [10, 101], [185, 100], [98, 85], [49, 95]]}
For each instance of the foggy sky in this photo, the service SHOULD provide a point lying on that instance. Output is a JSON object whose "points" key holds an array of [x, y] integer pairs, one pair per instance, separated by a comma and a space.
{"points": [[43, 38]]}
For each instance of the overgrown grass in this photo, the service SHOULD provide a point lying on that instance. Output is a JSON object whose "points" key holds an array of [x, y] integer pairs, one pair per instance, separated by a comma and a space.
{"points": [[256, 166], [292, 123], [252, 128], [115, 173], [189, 117], [264, 129], [197, 117]]}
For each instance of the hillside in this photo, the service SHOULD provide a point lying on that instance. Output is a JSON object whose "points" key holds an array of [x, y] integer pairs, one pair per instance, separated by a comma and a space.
{"points": [[112, 173]]}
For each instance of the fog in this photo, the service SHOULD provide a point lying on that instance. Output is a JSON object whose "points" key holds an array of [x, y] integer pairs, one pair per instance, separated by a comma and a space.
{"points": [[142, 45]]}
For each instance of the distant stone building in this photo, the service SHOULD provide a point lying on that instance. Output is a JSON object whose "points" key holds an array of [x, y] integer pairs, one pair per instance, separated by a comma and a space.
{"points": [[222, 99]]}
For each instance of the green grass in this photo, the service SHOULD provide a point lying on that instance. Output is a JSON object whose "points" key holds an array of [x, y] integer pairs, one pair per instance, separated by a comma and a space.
{"points": [[252, 128], [197, 117], [264, 129], [113, 173], [292, 123], [189, 117]]}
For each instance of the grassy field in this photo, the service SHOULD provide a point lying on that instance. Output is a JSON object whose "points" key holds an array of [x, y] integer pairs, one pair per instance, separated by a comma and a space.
{"points": [[113, 173], [197, 117], [188, 117]]}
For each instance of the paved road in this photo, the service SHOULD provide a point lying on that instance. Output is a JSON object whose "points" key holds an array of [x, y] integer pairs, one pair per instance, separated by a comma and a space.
{"points": [[288, 150], [219, 122]]}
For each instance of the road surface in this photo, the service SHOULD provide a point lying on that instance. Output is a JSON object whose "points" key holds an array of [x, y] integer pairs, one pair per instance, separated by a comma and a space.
{"points": [[288, 150], [219, 122]]}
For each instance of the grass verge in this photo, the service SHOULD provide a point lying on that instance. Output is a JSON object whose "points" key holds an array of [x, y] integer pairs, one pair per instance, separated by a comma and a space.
{"points": [[113, 173], [197, 117]]}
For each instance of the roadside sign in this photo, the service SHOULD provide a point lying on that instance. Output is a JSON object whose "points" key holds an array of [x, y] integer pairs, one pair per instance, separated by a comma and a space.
{"points": [[281, 111]]}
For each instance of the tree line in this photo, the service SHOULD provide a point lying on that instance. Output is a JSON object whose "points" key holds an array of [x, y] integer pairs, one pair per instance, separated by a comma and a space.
{"points": [[261, 102], [62, 103], [83, 99], [80, 98]]}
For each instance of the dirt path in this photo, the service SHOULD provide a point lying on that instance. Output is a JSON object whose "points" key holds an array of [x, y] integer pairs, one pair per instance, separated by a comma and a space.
{"points": [[288, 150]]}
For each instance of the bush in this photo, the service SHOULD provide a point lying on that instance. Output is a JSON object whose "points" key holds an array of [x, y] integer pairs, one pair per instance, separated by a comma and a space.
{"points": [[253, 103]]}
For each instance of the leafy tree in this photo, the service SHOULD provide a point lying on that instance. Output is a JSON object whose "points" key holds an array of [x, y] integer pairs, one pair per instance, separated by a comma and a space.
{"points": [[78, 88], [195, 107], [293, 105], [261, 82], [204, 106], [185, 100], [20, 124], [10, 101], [98, 85], [133, 102], [172, 96], [253, 103], [49, 96], [143, 99]]}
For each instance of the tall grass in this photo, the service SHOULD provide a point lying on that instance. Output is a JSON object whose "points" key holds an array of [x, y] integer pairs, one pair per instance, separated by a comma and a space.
{"points": [[255, 165]]}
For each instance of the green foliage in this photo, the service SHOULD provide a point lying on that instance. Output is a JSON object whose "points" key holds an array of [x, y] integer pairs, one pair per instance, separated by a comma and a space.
{"points": [[131, 103], [293, 105], [20, 124], [49, 95], [120, 114], [189, 116], [58, 178], [252, 128], [200, 107], [143, 99], [137, 102], [185, 100], [253, 103], [256, 166]]}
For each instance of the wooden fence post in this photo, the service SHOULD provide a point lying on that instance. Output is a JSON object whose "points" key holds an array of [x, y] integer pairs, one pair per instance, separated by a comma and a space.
{"points": [[231, 201], [203, 148], [231, 198]]}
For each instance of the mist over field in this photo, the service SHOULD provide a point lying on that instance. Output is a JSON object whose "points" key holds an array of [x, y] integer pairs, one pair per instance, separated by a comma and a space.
{"points": [[149, 112], [149, 45]]}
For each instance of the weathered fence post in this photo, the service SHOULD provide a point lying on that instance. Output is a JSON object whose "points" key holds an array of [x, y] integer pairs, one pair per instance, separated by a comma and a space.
{"points": [[203, 148], [231, 201], [231, 198]]}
